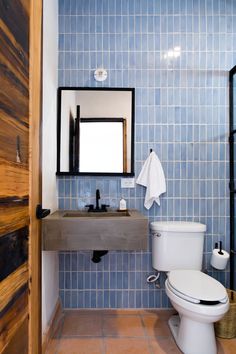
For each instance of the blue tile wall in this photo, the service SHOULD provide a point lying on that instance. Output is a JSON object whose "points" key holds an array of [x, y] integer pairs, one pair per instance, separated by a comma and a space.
{"points": [[177, 54]]}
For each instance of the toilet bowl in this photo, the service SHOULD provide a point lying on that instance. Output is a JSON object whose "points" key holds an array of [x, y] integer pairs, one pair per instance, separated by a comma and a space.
{"points": [[200, 301]]}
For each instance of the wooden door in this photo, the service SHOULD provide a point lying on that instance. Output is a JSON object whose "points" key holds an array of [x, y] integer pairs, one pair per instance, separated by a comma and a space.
{"points": [[20, 74]]}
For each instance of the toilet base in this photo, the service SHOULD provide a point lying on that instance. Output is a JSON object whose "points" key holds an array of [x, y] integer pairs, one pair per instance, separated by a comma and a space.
{"points": [[174, 323], [193, 337]]}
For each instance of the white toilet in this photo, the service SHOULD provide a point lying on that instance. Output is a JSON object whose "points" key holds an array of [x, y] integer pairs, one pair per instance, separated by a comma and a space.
{"points": [[200, 300]]}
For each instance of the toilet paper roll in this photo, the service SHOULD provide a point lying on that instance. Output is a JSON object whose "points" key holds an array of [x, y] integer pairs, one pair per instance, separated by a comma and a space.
{"points": [[219, 261]]}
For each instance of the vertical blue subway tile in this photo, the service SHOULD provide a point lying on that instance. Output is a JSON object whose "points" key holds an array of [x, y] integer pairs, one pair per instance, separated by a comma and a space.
{"points": [[132, 280], [67, 299], [61, 203], [93, 280], [113, 280], [67, 280], [100, 299], [125, 295], [61, 280], [74, 299], [106, 299], [119, 280], [131, 298], [106, 280], [62, 297], [180, 111], [93, 299], [86, 281], [125, 280], [87, 298], [80, 280], [113, 299]]}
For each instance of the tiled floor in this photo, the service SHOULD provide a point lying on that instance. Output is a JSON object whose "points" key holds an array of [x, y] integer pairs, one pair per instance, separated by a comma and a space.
{"points": [[119, 332]]}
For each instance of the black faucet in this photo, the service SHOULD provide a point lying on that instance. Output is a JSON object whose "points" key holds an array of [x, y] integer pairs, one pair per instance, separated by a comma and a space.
{"points": [[97, 199], [97, 208]]}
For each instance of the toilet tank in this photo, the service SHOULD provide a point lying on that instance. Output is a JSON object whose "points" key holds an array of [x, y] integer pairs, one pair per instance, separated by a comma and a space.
{"points": [[177, 245]]}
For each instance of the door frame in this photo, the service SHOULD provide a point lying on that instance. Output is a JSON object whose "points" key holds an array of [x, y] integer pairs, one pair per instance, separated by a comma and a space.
{"points": [[35, 182], [232, 187]]}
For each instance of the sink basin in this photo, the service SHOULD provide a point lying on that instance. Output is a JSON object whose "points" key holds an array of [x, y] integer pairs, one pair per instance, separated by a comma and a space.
{"points": [[75, 230], [86, 214]]}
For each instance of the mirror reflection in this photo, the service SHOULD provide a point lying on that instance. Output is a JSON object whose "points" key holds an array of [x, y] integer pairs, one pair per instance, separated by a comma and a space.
{"points": [[95, 131]]}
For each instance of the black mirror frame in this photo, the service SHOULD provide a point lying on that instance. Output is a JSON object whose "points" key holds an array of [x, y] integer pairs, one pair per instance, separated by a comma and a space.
{"points": [[59, 91]]}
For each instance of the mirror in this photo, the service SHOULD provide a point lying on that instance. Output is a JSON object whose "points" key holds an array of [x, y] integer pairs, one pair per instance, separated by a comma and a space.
{"points": [[95, 131]]}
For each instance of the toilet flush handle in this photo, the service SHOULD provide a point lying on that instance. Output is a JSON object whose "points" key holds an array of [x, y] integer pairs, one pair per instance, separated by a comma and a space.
{"points": [[157, 234]]}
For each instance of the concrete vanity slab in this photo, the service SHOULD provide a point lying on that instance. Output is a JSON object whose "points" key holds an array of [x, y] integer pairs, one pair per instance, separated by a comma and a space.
{"points": [[63, 231]]}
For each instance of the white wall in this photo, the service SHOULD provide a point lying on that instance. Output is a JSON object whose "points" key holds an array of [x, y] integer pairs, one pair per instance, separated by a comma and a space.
{"points": [[50, 284]]}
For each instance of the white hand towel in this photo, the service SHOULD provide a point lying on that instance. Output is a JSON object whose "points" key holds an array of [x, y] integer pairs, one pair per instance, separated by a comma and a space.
{"points": [[152, 177]]}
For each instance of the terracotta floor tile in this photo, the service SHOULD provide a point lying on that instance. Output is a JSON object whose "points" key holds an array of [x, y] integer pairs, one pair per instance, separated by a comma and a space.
{"points": [[162, 314], [164, 346], [80, 346], [226, 346], [84, 312], [155, 326], [150, 325], [126, 326], [126, 346], [82, 325], [125, 312]]}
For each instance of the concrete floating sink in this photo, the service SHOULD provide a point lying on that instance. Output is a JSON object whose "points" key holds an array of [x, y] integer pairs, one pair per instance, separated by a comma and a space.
{"points": [[86, 214], [80, 230]]}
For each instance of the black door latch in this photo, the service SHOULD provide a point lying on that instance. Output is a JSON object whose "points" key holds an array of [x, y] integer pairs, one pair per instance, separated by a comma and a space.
{"points": [[41, 213]]}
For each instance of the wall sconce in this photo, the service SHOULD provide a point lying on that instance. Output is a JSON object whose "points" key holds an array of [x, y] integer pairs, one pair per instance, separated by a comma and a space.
{"points": [[100, 74]]}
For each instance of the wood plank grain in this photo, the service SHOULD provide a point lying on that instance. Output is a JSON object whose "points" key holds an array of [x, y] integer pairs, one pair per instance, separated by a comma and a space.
{"points": [[12, 319], [11, 201], [7, 110], [13, 101], [14, 144], [13, 251], [13, 53], [14, 175], [14, 15], [19, 342], [14, 71], [12, 284], [14, 179], [15, 120], [14, 91], [13, 218], [12, 83], [26, 5]]}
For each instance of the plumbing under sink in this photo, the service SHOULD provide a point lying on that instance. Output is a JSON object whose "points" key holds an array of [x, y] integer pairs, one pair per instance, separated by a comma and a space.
{"points": [[85, 214]]}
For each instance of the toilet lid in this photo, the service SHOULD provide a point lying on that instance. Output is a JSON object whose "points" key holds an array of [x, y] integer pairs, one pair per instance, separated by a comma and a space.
{"points": [[197, 285]]}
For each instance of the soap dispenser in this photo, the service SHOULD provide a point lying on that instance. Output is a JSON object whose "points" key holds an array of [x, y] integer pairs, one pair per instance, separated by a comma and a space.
{"points": [[122, 205]]}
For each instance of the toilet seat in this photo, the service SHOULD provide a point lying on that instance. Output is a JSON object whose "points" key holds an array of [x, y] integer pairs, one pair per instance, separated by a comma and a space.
{"points": [[196, 287]]}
